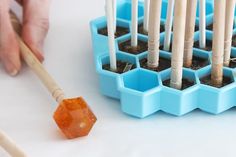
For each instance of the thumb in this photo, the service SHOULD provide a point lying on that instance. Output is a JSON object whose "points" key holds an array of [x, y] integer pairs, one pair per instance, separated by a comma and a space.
{"points": [[35, 25]]}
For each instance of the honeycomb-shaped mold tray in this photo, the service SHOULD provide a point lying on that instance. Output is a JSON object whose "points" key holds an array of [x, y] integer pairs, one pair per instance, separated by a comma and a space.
{"points": [[143, 92]]}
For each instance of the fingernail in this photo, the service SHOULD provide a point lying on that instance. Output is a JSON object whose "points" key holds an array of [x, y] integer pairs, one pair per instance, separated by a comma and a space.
{"points": [[13, 72]]}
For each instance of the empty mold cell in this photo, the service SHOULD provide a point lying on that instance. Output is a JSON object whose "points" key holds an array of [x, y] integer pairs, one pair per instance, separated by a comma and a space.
{"points": [[216, 100], [124, 45], [124, 10], [164, 62], [108, 79], [179, 102], [140, 93]]}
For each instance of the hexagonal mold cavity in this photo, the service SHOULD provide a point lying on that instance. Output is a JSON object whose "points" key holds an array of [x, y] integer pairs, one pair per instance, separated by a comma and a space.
{"points": [[140, 93], [216, 100], [125, 63], [200, 60], [141, 30], [124, 10], [179, 102], [164, 62], [121, 29], [125, 46], [108, 80]]}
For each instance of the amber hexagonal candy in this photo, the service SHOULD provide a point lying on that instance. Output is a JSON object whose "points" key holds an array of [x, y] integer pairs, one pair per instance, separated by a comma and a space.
{"points": [[74, 117]]}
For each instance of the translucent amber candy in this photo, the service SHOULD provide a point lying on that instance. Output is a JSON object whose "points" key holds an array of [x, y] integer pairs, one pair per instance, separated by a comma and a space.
{"points": [[74, 117]]}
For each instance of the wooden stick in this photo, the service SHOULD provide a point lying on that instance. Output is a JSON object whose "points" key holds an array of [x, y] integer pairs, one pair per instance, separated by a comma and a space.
{"points": [[218, 43], [189, 32], [202, 24], [11, 148], [154, 33], [229, 24], [114, 14], [146, 15], [168, 26], [178, 44], [134, 24], [111, 36], [35, 65]]}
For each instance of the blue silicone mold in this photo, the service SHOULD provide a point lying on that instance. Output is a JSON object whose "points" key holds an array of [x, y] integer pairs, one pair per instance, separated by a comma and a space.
{"points": [[141, 92]]}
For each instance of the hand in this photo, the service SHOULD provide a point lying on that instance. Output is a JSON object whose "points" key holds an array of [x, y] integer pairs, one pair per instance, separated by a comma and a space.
{"points": [[34, 29]]}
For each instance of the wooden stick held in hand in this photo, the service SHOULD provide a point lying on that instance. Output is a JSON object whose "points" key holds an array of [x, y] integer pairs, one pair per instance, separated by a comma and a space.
{"points": [[218, 43], [229, 24], [154, 33], [178, 44], [189, 32]]}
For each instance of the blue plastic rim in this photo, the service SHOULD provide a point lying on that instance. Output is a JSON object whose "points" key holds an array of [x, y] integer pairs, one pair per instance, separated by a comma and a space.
{"points": [[141, 92]]}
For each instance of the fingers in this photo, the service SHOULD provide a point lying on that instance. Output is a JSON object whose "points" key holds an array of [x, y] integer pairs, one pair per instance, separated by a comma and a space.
{"points": [[35, 24], [9, 49]]}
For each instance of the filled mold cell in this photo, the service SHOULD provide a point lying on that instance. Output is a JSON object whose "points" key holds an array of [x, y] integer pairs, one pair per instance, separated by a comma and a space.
{"points": [[140, 93], [200, 60], [121, 29], [125, 46], [216, 100], [109, 79], [164, 62], [182, 101]]}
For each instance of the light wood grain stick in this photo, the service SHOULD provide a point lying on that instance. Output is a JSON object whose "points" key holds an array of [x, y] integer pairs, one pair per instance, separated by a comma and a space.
{"points": [[10, 147], [154, 33], [218, 43], [189, 32], [229, 24], [178, 44]]}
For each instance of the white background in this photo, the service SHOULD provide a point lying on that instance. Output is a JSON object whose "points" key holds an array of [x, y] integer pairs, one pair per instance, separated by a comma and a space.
{"points": [[27, 109]]}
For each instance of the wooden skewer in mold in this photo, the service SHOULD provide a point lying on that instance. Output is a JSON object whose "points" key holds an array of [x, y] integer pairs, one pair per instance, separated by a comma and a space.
{"points": [[154, 33], [218, 43], [146, 15], [229, 24], [111, 37], [189, 32], [178, 44], [134, 24], [202, 24], [168, 25]]}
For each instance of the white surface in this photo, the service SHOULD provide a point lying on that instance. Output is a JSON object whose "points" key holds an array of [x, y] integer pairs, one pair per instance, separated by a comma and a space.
{"points": [[26, 108]]}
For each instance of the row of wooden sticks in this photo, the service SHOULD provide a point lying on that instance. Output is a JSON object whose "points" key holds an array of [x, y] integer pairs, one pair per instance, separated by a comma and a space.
{"points": [[183, 34]]}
